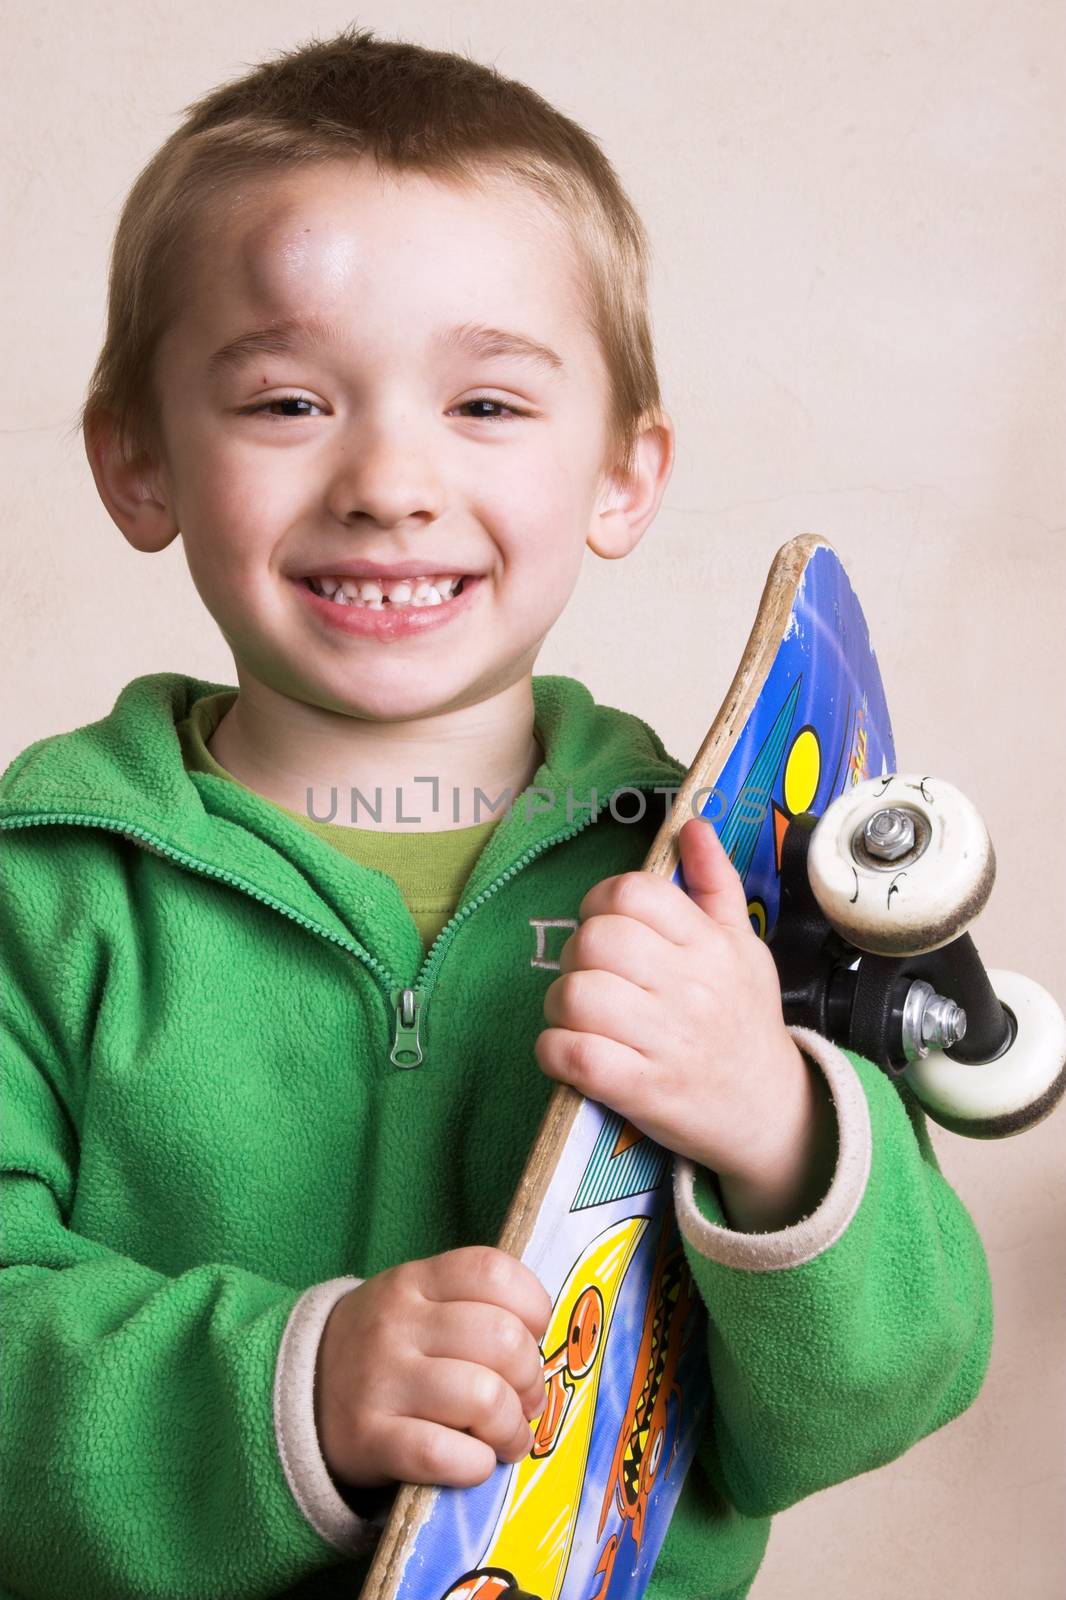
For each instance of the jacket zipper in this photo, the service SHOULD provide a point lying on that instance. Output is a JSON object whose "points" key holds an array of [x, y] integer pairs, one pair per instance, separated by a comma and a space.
{"points": [[406, 1046], [408, 1003]]}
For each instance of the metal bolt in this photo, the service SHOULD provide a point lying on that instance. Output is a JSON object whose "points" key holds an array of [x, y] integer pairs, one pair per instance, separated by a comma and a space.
{"points": [[943, 1023], [889, 834], [930, 1021]]}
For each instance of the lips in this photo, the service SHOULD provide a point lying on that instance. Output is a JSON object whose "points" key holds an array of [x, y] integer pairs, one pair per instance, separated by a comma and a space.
{"points": [[388, 622]]}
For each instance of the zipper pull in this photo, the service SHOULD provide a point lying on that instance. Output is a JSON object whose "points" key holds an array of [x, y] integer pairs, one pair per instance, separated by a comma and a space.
{"points": [[406, 1050]]}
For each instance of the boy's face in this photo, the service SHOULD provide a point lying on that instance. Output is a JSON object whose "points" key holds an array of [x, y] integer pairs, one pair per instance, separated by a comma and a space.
{"points": [[384, 457]]}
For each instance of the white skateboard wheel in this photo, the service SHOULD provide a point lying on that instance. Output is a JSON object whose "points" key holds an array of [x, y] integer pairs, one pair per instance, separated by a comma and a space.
{"points": [[917, 896], [992, 1099]]}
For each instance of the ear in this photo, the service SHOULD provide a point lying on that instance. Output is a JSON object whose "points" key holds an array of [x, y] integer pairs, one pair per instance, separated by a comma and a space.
{"points": [[135, 493], [628, 502]]}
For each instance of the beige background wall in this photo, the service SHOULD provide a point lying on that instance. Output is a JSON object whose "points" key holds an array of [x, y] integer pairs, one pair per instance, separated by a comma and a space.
{"points": [[858, 223]]}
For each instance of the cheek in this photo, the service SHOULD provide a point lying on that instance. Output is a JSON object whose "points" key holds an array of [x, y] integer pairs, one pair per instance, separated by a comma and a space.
{"points": [[240, 501], [545, 506]]}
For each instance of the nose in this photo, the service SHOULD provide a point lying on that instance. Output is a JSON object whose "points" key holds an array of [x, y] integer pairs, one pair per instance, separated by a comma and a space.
{"points": [[386, 473]]}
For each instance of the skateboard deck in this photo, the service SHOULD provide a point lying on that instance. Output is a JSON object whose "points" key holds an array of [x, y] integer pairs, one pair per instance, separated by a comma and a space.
{"points": [[584, 1515]]}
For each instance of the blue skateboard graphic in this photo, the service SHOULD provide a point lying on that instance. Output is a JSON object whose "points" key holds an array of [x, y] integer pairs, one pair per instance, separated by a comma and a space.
{"points": [[584, 1515]]}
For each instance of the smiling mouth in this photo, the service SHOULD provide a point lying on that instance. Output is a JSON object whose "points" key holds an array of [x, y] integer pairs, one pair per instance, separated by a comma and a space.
{"points": [[375, 594]]}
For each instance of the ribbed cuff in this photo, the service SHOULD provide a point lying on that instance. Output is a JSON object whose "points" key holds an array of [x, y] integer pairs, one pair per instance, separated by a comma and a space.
{"points": [[808, 1238], [304, 1465]]}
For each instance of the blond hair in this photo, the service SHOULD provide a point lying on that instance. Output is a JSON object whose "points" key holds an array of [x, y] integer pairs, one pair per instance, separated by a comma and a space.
{"points": [[411, 109]]}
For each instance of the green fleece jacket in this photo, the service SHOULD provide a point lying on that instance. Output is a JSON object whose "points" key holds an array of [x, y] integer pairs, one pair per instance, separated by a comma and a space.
{"points": [[205, 1144]]}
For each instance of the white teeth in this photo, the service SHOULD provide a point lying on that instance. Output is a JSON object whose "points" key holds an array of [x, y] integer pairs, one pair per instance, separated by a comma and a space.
{"points": [[365, 589], [367, 592]]}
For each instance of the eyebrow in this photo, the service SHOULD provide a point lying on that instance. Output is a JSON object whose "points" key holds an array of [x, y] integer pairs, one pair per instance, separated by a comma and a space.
{"points": [[283, 338], [486, 342], [279, 339]]}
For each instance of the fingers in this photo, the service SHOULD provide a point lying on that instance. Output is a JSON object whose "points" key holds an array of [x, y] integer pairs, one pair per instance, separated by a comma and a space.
{"points": [[428, 1371], [470, 1398], [416, 1451], [600, 1069], [612, 943], [649, 899], [484, 1274], [603, 1003], [711, 880], [497, 1340], [711, 888]]}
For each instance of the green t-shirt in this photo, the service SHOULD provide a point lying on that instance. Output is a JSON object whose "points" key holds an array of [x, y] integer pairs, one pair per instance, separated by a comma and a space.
{"points": [[430, 869]]}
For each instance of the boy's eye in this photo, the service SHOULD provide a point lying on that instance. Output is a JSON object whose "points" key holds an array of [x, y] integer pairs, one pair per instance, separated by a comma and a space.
{"points": [[281, 400], [267, 408], [485, 400]]}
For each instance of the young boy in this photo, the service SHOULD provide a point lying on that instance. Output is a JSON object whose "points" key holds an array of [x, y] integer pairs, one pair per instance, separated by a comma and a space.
{"points": [[291, 968]]}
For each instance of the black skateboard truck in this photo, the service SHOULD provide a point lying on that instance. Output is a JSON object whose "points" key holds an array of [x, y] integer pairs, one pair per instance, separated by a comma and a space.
{"points": [[872, 952]]}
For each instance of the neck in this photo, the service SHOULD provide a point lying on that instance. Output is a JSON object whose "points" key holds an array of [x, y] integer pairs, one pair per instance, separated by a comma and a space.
{"points": [[420, 775]]}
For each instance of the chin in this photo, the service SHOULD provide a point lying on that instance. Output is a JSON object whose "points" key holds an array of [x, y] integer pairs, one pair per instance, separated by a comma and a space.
{"points": [[398, 703]]}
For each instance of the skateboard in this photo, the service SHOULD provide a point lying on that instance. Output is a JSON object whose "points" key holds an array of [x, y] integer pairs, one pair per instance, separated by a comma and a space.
{"points": [[803, 734]]}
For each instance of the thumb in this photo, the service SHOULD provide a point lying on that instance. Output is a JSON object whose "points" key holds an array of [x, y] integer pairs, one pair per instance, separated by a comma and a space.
{"points": [[709, 877]]}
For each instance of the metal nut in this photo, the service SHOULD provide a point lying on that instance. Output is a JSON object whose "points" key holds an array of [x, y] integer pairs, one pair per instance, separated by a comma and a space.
{"points": [[889, 834]]}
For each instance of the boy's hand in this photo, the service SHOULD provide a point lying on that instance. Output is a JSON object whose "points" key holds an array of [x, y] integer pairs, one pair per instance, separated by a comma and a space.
{"points": [[668, 1011], [428, 1372]]}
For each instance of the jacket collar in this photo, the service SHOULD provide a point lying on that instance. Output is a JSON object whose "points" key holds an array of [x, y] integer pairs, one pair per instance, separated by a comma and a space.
{"points": [[126, 772]]}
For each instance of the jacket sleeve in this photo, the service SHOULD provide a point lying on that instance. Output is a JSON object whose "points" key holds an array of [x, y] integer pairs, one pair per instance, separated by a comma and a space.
{"points": [[158, 1432], [839, 1342]]}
